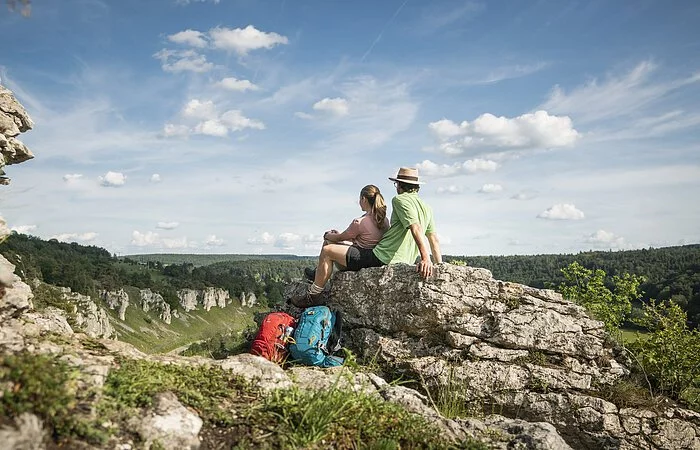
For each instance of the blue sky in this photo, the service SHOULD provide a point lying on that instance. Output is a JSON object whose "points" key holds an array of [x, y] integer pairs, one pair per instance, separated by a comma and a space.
{"points": [[251, 126]]}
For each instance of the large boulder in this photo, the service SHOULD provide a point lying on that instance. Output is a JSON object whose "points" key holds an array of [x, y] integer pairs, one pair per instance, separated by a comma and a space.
{"points": [[524, 352]]}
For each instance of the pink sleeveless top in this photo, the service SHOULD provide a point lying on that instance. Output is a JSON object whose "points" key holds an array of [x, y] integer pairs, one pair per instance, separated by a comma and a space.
{"points": [[364, 232]]}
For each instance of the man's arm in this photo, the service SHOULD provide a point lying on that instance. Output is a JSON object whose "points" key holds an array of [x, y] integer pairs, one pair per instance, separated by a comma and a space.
{"points": [[425, 267], [435, 247]]}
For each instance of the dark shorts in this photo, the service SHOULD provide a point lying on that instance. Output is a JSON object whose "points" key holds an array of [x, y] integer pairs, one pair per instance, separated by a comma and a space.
{"points": [[360, 258]]}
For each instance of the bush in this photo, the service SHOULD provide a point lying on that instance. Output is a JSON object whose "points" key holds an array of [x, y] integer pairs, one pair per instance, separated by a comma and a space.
{"points": [[670, 354], [587, 288]]}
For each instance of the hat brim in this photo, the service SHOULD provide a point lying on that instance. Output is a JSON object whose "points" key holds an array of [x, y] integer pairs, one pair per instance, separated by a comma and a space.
{"points": [[401, 180]]}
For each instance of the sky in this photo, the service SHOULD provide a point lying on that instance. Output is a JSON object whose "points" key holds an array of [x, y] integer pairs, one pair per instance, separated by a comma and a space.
{"points": [[242, 126]]}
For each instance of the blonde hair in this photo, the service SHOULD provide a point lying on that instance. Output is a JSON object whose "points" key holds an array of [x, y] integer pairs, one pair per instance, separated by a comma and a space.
{"points": [[376, 201]]}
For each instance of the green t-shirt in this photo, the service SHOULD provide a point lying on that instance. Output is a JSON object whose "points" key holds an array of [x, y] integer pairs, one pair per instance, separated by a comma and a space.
{"points": [[397, 244]]}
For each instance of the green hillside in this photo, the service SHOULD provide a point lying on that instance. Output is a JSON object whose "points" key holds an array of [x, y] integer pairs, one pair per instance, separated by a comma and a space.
{"points": [[205, 260]]}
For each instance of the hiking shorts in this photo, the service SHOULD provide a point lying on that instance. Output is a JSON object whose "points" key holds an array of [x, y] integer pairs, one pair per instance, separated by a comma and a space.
{"points": [[360, 258]]}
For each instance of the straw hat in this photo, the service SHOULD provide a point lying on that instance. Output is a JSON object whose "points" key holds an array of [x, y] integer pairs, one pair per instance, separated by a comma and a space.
{"points": [[407, 175]]}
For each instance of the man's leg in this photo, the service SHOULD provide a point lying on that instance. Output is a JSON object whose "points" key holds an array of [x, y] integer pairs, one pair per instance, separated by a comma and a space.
{"points": [[329, 254]]}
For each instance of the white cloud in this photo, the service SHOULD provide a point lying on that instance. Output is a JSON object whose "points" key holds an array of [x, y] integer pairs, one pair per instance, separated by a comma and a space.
{"points": [[210, 122], [174, 130], [113, 179], [76, 237], [468, 167], [236, 121], [189, 37], [562, 211], [234, 84], [24, 229], [213, 241], [72, 177], [528, 131], [201, 110], [287, 241], [244, 40], [155, 178], [148, 238], [452, 189], [183, 61], [335, 106], [167, 225], [211, 128], [617, 95], [524, 195], [303, 115], [175, 243], [602, 238], [490, 188], [264, 238]]}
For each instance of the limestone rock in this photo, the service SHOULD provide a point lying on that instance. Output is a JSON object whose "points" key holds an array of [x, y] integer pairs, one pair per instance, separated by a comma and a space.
{"points": [[154, 301], [248, 301], [16, 295], [27, 434], [13, 121], [526, 352], [89, 317], [214, 297], [116, 300], [170, 424], [50, 320], [259, 370], [188, 299]]}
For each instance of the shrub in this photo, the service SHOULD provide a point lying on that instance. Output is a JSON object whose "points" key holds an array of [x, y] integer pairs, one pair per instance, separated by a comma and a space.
{"points": [[670, 354], [587, 288]]}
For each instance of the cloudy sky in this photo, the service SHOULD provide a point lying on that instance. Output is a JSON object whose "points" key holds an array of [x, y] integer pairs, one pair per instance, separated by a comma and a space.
{"points": [[241, 126]]}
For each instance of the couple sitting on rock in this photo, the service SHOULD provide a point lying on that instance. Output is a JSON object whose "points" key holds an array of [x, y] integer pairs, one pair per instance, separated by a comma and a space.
{"points": [[370, 241]]}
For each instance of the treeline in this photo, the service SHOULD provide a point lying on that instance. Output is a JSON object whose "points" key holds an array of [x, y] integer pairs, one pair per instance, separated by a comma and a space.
{"points": [[89, 269], [670, 273]]}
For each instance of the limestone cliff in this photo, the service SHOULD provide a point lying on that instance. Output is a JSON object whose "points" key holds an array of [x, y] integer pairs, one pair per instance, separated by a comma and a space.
{"points": [[13, 121]]}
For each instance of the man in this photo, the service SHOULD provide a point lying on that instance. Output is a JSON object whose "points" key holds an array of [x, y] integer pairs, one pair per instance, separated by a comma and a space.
{"points": [[411, 219]]}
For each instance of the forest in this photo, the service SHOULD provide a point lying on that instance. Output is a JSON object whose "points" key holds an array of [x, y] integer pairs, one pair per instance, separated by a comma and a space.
{"points": [[669, 273]]}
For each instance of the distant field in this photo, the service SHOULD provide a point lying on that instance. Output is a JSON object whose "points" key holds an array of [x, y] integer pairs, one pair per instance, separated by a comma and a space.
{"points": [[205, 260], [149, 334], [632, 335]]}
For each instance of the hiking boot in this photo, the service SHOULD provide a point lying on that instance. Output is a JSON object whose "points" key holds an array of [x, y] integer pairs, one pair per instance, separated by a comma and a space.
{"points": [[310, 273], [307, 300]]}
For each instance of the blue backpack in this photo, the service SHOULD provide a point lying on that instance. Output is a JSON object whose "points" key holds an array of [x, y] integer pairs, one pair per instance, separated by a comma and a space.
{"points": [[317, 337]]}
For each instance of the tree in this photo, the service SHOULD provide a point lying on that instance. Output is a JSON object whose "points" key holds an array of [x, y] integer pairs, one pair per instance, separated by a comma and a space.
{"points": [[587, 288]]}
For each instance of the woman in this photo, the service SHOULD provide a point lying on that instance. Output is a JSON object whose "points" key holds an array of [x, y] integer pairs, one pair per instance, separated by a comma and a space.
{"points": [[363, 232]]}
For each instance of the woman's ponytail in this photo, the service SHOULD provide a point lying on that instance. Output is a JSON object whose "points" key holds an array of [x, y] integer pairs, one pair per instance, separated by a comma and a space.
{"points": [[376, 201]]}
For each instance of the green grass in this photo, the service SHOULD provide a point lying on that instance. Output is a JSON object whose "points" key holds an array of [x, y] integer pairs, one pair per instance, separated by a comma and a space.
{"points": [[235, 413], [630, 335]]}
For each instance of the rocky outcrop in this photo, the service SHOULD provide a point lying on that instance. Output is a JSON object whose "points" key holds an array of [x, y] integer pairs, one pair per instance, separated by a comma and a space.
{"points": [[116, 300], [13, 121], [524, 352], [154, 301], [89, 318], [188, 299], [210, 297], [248, 301]]}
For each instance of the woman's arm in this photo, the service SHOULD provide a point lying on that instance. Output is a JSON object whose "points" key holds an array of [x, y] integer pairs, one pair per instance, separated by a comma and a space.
{"points": [[349, 234]]}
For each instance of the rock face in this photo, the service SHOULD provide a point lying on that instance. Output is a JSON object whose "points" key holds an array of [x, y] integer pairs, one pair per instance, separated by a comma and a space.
{"points": [[210, 297], [13, 121], [89, 318], [527, 353], [248, 301], [154, 301], [214, 297], [116, 300]]}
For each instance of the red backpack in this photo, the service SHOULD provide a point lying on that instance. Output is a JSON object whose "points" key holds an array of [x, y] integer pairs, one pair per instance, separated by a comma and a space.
{"points": [[271, 340]]}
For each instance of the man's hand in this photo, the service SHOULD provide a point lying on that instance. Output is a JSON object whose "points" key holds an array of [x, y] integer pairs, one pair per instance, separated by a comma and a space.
{"points": [[425, 268]]}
